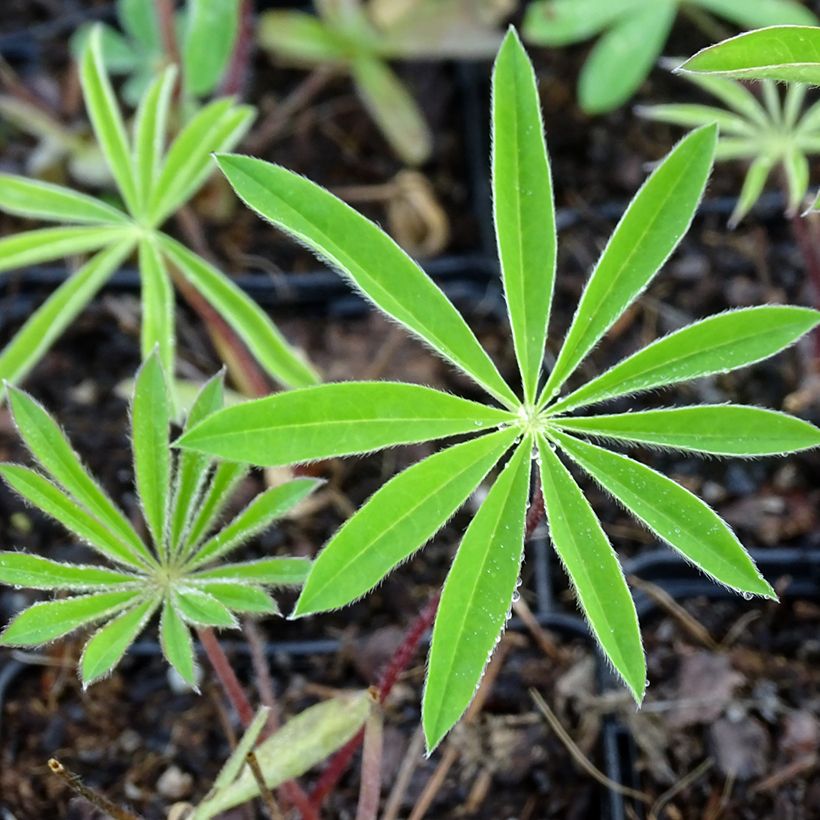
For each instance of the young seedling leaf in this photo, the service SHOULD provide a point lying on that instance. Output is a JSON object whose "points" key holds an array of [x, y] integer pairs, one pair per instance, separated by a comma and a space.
{"points": [[200, 609], [285, 572], [211, 28], [724, 430], [592, 565], [397, 520], [17, 569], [243, 599], [23, 250], [225, 479], [176, 643], [337, 419], [477, 597], [368, 256], [649, 231], [523, 207], [672, 513]]}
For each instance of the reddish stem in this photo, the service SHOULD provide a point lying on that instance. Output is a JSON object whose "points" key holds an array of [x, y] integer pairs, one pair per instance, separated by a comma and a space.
{"points": [[805, 235], [226, 676], [536, 511], [239, 68]]}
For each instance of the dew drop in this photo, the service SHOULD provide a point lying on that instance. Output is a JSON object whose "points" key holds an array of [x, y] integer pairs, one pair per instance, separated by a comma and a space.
{"points": [[747, 596]]}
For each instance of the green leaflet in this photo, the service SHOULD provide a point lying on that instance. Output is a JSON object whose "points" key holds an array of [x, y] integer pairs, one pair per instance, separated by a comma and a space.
{"points": [[734, 95], [50, 620], [226, 477], [150, 421], [523, 207], [672, 513], [211, 28], [759, 13], [563, 22], [651, 228], [300, 37], [784, 53], [41, 200], [397, 520], [200, 609], [476, 599], [192, 468], [157, 328], [256, 517], [150, 127], [372, 260], [393, 109], [337, 419], [622, 59], [594, 570], [266, 571], [303, 742], [245, 599], [245, 317], [106, 119], [44, 495], [753, 185], [61, 308], [715, 345], [176, 643], [18, 569], [33, 247], [50, 447], [106, 648], [693, 115], [725, 429]]}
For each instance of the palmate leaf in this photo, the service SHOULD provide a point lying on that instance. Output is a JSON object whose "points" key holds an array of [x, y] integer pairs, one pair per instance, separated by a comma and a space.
{"points": [[672, 513], [653, 225], [337, 419], [400, 518], [724, 429], [523, 207], [476, 599], [368, 256]]}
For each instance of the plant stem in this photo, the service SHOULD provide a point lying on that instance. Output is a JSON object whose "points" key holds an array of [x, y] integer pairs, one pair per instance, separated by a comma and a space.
{"points": [[226, 675], [236, 75], [804, 230], [99, 801], [370, 788]]}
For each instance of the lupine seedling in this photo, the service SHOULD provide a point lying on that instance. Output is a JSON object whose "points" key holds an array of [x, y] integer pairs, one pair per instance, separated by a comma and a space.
{"points": [[537, 423], [779, 134], [153, 184], [205, 33], [360, 38], [633, 34], [177, 570]]}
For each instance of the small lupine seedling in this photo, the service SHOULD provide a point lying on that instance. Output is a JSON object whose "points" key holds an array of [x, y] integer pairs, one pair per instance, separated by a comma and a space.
{"points": [[177, 569], [633, 35], [206, 31], [360, 38], [537, 423], [779, 134], [153, 185]]}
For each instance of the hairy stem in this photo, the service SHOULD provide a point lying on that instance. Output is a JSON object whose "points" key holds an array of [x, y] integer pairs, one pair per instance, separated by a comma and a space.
{"points": [[225, 674]]}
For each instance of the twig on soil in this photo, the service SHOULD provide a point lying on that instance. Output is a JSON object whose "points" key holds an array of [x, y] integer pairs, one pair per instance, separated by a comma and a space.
{"points": [[677, 788], [412, 758], [264, 792], [662, 598], [580, 758], [371, 778], [97, 800], [803, 764]]}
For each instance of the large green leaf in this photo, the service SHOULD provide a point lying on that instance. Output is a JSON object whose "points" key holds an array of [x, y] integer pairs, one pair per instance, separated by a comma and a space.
{"points": [[372, 260], [397, 520], [176, 643], [22, 250], [256, 517], [621, 60], [34, 199], [723, 429], [246, 318], [714, 345], [653, 225], [523, 207], [787, 53], [335, 420], [393, 109], [211, 28], [157, 327], [106, 648], [672, 513], [562, 22], [62, 307], [50, 620], [594, 569], [49, 445], [151, 413], [751, 14], [106, 119], [476, 599], [44, 495], [18, 569]]}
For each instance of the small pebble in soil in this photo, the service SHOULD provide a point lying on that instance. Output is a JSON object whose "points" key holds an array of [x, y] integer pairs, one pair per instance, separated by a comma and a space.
{"points": [[174, 784]]}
